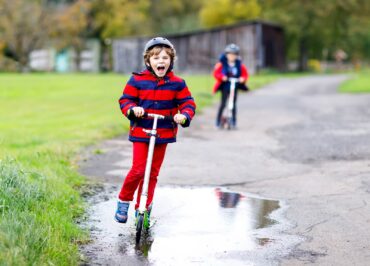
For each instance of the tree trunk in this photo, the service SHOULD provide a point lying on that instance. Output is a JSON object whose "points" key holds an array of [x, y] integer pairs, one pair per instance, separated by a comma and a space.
{"points": [[23, 63], [78, 59], [303, 55]]}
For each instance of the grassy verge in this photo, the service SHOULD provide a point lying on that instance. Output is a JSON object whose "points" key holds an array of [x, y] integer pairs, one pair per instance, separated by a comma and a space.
{"points": [[45, 119], [360, 83]]}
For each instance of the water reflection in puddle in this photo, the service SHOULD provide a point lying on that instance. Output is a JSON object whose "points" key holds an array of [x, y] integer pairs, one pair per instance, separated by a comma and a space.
{"points": [[191, 225], [259, 209]]}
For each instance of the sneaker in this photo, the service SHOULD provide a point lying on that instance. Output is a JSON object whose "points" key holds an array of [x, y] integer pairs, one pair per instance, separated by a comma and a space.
{"points": [[122, 210]]}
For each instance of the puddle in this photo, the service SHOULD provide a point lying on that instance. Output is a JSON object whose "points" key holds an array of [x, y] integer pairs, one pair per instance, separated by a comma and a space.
{"points": [[202, 226]]}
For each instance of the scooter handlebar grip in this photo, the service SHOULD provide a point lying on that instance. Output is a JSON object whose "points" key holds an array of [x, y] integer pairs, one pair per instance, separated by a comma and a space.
{"points": [[169, 118], [166, 117], [130, 114]]}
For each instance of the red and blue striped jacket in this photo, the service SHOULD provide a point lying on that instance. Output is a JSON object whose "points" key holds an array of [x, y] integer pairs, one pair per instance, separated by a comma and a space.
{"points": [[166, 96]]}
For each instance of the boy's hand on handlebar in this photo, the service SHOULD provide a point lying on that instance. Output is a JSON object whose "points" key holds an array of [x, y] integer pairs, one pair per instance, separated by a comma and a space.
{"points": [[224, 78], [179, 118], [241, 80], [138, 111]]}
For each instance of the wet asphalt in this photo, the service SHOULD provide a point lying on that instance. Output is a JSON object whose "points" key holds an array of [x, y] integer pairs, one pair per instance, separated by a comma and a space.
{"points": [[299, 161], [200, 226]]}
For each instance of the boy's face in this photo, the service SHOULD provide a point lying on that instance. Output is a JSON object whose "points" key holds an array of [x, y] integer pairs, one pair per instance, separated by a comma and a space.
{"points": [[231, 57], [160, 63]]}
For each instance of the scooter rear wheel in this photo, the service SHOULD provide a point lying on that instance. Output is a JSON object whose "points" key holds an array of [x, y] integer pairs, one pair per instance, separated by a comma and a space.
{"points": [[139, 227], [228, 124]]}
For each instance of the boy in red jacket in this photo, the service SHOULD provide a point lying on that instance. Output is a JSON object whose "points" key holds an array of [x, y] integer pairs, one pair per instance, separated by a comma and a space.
{"points": [[230, 66], [154, 90]]}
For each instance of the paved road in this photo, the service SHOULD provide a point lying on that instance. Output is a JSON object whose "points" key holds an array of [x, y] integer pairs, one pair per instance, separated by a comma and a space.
{"points": [[298, 141]]}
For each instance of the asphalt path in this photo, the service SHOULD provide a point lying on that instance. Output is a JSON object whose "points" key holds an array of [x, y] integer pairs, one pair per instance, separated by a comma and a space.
{"points": [[299, 142]]}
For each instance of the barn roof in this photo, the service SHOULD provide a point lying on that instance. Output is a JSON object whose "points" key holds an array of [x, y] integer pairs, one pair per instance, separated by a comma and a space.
{"points": [[226, 27], [213, 29]]}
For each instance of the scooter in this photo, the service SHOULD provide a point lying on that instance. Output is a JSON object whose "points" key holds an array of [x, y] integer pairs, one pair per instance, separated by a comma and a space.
{"points": [[226, 122], [142, 218]]}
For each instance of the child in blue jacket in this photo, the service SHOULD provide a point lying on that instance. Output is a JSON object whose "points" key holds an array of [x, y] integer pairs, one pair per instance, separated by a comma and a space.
{"points": [[229, 66]]}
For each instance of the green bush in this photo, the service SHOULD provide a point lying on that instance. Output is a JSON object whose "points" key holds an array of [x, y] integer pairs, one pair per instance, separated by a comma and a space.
{"points": [[314, 65]]}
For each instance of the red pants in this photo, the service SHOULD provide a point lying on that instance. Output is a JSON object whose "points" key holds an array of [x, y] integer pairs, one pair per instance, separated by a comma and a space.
{"points": [[135, 176]]}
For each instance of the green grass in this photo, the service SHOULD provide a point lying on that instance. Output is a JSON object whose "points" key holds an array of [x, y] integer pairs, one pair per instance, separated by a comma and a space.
{"points": [[45, 120], [37, 224], [360, 83]]}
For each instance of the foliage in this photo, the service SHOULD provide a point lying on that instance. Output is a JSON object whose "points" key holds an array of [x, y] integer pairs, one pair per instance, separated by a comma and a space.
{"points": [[70, 24], [174, 16], [313, 27], [314, 65], [117, 18], [22, 32], [6, 63], [223, 12]]}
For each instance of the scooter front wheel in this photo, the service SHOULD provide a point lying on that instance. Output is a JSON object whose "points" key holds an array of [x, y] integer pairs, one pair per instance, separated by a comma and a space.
{"points": [[146, 223], [139, 227]]}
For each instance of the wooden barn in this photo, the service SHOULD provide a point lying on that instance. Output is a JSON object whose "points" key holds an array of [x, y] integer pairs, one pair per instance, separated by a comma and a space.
{"points": [[261, 44]]}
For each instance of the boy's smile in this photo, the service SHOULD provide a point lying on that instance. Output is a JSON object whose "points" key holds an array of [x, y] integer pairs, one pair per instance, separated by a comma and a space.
{"points": [[160, 63]]}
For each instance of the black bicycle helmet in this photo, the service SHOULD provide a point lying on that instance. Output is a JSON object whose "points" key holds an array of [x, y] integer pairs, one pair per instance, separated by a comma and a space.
{"points": [[232, 48], [157, 41]]}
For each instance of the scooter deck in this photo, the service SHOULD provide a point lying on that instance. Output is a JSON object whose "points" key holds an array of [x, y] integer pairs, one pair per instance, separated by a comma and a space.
{"points": [[152, 223]]}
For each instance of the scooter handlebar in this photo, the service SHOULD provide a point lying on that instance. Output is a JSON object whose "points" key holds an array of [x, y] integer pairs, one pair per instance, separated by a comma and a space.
{"points": [[131, 115], [164, 117], [236, 80]]}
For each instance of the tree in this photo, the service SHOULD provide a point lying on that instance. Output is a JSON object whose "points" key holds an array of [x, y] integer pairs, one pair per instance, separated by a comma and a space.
{"points": [[223, 12], [24, 27], [118, 18], [71, 25], [174, 16], [358, 37], [315, 25], [350, 25]]}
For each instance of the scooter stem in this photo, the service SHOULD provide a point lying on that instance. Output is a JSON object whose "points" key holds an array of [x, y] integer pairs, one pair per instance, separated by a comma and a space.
{"points": [[233, 82], [148, 166]]}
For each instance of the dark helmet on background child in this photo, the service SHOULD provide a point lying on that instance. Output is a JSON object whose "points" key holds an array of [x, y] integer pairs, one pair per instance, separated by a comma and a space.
{"points": [[232, 48], [158, 42]]}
